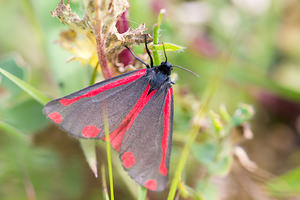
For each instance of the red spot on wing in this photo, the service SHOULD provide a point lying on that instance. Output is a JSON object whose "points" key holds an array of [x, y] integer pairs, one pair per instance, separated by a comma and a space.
{"points": [[151, 184], [94, 92], [56, 117], [117, 135], [90, 131], [164, 142], [128, 159]]}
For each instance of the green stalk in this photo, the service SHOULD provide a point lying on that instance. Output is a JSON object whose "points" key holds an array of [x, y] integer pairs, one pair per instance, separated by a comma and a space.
{"points": [[213, 85], [94, 75], [182, 161], [89, 146], [156, 58], [142, 193], [108, 151], [104, 183]]}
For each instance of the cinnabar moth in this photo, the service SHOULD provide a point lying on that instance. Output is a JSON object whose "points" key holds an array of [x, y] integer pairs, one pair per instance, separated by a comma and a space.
{"points": [[139, 108]]}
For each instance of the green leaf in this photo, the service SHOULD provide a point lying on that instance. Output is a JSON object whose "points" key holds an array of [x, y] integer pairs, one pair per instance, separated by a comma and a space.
{"points": [[216, 122], [205, 153], [168, 47], [207, 190], [222, 166], [26, 116], [217, 162], [9, 64], [13, 131], [224, 113], [242, 114], [286, 185], [34, 93], [89, 149]]}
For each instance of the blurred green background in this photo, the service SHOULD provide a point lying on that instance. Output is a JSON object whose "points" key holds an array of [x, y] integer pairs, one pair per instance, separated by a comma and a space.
{"points": [[251, 48]]}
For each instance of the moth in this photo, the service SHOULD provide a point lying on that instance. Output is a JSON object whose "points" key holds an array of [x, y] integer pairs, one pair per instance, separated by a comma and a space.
{"points": [[139, 107]]}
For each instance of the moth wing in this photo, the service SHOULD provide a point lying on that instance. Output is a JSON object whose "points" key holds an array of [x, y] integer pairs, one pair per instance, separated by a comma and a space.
{"points": [[81, 113], [146, 146]]}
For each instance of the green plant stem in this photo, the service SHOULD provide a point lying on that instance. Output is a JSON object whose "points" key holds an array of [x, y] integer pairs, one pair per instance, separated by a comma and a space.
{"points": [[104, 182], [94, 75], [108, 151], [213, 85], [193, 133], [156, 58], [142, 193], [89, 150], [182, 161]]}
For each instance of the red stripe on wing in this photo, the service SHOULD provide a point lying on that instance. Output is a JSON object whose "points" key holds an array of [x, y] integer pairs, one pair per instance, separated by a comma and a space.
{"points": [[123, 81], [164, 142], [116, 136]]}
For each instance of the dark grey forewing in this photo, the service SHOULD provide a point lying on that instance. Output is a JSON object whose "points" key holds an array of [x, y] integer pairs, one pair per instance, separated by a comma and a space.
{"points": [[144, 139], [88, 111]]}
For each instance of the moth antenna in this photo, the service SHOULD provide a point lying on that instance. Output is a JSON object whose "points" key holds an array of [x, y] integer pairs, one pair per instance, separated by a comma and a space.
{"points": [[165, 52], [137, 57], [187, 70], [148, 52]]}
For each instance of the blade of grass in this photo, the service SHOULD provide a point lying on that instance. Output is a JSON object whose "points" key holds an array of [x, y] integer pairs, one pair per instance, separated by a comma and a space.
{"points": [[183, 157], [89, 150], [89, 146], [131, 185], [108, 151], [34, 93], [94, 75], [142, 193], [104, 182]]}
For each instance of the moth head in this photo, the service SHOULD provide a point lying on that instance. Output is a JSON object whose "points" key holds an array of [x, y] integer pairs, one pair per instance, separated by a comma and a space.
{"points": [[166, 67]]}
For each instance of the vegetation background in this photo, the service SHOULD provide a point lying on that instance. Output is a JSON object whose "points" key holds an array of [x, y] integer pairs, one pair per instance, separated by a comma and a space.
{"points": [[245, 51]]}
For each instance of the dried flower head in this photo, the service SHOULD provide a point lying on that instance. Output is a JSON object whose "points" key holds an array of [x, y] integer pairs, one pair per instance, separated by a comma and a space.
{"points": [[95, 38]]}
